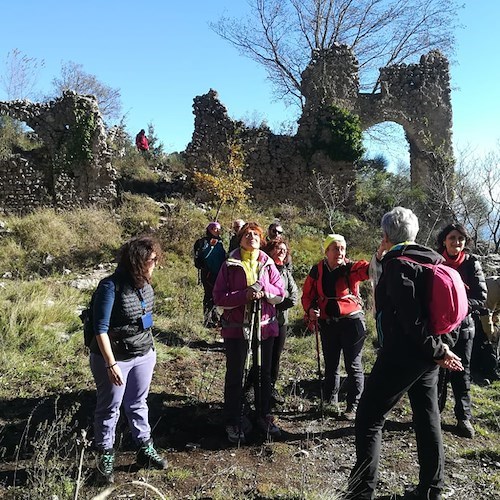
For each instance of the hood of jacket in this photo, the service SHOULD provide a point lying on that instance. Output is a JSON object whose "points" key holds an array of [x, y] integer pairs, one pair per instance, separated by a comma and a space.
{"points": [[414, 251]]}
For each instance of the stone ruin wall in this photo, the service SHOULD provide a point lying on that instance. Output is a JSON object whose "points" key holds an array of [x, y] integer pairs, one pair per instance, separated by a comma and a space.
{"points": [[416, 96], [41, 177], [275, 164]]}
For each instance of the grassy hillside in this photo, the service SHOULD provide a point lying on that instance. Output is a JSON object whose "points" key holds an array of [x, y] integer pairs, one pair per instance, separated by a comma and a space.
{"points": [[46, 389]]}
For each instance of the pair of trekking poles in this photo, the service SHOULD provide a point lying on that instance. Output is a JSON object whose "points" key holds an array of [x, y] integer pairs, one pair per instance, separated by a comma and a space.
{"points": [[253, 334]]}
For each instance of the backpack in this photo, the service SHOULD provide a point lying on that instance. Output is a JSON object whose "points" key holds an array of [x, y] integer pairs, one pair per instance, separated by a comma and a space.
{"points": [[447, 299], [87, 317], [199, 261]]}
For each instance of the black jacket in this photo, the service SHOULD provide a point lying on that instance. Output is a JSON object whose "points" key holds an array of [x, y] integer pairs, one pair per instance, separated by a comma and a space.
{"points": [[475, 285], [402, 308]]}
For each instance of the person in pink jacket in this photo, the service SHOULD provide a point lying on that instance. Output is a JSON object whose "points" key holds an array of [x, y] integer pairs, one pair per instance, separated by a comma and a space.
{"points": [[248, 275]]}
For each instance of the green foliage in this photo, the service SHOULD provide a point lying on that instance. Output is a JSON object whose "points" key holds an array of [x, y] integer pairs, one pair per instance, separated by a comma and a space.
{"points": [[46, 240], [77, 147], [224, 181], [13, 137], [183, 225], [338, 133], [138, 213], [38, 351]]}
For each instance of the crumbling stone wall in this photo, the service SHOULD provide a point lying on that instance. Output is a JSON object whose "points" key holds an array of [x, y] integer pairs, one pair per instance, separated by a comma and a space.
{"points": [[275, 163], [416, 96], [72, 167]]}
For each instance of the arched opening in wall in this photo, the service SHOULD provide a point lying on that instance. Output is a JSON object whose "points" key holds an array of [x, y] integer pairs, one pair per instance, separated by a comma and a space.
{"points": [[386, 145], [17, 137]]}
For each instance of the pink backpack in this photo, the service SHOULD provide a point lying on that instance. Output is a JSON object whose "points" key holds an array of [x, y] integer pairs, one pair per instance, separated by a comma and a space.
{"points": [[447, 300]]}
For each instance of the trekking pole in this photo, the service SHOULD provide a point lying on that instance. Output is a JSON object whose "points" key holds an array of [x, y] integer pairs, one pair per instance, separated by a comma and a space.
{"points": [[248, 332], [258, 335], [318, 359]]}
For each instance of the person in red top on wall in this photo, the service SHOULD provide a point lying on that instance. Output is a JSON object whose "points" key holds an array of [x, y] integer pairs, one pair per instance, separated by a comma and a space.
{"points": [[141, 141], [331, 298]]}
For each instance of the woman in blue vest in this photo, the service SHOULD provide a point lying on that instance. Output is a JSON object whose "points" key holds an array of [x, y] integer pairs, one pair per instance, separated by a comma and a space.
{"points": [[122, 355]]}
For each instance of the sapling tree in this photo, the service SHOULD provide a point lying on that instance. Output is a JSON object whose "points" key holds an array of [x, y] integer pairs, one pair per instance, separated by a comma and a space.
{"points": [[223, 181]]}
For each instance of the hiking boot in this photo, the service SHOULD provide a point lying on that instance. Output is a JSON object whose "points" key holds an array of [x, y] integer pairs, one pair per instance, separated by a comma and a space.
{"points": [[268, 426], [350, 412], [105, 463], [422, 494], [235, 434], [276, 397], [148, 457], [465, 429]]}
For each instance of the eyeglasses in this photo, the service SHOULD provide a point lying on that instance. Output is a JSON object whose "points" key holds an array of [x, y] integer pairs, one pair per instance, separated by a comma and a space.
{"points": [[277, 231]]}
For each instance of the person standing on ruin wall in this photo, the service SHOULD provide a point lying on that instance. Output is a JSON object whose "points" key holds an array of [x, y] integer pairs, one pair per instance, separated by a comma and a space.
{"points": [[141, 141]]}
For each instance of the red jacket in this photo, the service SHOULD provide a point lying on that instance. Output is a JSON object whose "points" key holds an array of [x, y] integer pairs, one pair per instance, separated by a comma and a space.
{"points": [[141, 142], [230, 294], [346, 288]]}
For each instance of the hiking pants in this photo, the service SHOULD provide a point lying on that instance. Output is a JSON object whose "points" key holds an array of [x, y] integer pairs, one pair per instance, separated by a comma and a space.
{"points": [[236, 353], [137, 374], [348, 335], [385, 386], [460, 381], [208, 282]]}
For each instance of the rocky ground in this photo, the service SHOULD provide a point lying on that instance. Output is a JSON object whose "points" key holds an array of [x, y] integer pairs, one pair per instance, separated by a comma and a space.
{"points": [[312, 460]]}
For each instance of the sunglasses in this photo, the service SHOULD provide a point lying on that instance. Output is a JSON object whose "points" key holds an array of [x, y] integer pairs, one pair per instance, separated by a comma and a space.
{"points": [[277, 231]]}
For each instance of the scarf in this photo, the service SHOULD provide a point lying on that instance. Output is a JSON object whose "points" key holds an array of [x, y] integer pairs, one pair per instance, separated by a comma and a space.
{"points": [[454, 262], [250, 264]]}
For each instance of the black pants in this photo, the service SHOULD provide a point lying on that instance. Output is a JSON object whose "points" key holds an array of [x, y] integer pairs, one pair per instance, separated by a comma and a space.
{"points": [[236, 354], [279, 343], [387, 383], [460, 381], [346, 335], [208, 282]]}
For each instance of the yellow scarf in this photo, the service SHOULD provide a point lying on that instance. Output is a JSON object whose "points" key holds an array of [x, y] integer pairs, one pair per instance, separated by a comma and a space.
{"points": [[250, 264]]}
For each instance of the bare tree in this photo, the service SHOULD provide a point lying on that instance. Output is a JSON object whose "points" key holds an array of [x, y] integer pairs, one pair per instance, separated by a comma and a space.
{"points": [[73, 77], [476, 203], [283, 35], [333, 196], [20, 77]]}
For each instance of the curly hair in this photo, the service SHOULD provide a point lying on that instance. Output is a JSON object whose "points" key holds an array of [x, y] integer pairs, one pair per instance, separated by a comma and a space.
{"points": [[135, 254], [441, 237], [273, 244]]}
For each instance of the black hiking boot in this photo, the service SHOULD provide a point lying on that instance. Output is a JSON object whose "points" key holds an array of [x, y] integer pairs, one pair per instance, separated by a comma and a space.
{"points": [[105, 463], [148, 457]]}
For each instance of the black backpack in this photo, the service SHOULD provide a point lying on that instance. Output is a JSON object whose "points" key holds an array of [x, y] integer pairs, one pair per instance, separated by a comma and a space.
{"points": [[199, 261], [87, 317]]}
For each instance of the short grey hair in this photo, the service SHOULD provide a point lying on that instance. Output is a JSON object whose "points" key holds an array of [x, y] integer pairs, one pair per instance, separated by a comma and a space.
{"points": [[400, 224]]}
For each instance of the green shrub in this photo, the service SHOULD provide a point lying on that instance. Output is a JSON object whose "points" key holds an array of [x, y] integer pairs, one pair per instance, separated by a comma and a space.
{"points": [[135, 166], [47, 241], [38, 351], [138, 213]]}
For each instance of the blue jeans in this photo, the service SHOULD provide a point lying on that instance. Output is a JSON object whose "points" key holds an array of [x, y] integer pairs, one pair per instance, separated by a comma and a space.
{"points": [[137, 374]]}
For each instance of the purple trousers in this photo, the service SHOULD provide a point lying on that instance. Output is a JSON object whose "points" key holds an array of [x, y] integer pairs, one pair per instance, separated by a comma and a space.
{"points": [[137, 374]]}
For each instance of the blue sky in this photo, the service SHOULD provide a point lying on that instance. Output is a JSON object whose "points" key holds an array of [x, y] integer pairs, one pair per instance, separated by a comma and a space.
{"points": [[161, 54]]}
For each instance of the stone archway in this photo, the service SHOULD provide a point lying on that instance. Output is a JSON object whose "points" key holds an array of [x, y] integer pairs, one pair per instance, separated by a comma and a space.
{"points": [[415, 96]]}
